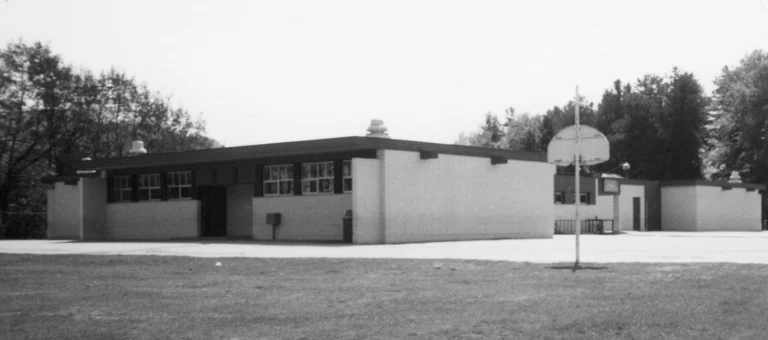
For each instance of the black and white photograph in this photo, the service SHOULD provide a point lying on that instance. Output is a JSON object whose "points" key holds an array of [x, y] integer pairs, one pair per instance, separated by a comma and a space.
{"points": [[354, 169]]}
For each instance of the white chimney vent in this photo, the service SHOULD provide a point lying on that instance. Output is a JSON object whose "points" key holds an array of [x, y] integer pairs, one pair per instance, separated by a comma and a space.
{"points": [[137, 148], [377, 129], [735, 178]]}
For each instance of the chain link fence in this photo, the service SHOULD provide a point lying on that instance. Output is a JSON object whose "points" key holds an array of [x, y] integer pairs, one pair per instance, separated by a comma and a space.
{"points": [[23, 225]]}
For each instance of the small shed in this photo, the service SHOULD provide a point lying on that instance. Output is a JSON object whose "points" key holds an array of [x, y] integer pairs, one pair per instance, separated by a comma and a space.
{"points": [[699, 205]]}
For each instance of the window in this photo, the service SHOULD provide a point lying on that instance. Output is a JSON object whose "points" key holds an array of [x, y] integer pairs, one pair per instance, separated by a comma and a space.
{"points": [[347, 174], [559, 197], [583, 198], [121, 189], [149, 187], [179, 185], [278, 180], [317, 178]]}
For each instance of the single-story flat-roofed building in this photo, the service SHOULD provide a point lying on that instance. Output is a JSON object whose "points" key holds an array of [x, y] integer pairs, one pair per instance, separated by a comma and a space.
{"points": [[392, 191], [668, 205]]}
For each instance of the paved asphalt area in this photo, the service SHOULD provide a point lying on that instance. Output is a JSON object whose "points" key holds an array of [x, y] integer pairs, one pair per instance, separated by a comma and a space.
{"points": [[733, 247]]}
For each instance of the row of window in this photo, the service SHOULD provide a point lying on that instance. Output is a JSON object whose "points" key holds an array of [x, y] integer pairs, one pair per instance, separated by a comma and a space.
{"points": [[316, 178], [149, 188], [560, 197]]}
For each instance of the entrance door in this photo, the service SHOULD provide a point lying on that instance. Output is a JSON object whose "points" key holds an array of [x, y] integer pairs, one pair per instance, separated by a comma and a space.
{"points": [[213, 210], [636, 213]]}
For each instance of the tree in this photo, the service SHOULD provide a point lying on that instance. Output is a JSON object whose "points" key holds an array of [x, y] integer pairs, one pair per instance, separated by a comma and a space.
{"points": [[558, 118], [740, 127], [522, 132], [658, 126], [51, 115], [37, 112], [685, 131], [489, 135]]}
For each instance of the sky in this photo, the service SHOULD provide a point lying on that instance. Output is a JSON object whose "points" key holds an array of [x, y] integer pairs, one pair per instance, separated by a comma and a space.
{"points": [[276, 71]]}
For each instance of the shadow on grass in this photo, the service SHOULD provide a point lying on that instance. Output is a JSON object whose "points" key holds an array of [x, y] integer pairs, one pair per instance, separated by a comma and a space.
{"points": [[579, 267]]}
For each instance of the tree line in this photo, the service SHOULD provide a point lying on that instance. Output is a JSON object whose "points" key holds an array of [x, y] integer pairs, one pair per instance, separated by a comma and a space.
{"points": [[666, 127], [52, 115]]}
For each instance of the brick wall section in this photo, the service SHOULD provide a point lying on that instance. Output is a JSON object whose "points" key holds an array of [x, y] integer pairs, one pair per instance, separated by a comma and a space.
{"points": [[153, 220], [304, 218]]}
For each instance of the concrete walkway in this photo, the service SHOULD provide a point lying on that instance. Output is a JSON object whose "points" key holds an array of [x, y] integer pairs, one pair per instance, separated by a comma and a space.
{"points": [[733, 247]]}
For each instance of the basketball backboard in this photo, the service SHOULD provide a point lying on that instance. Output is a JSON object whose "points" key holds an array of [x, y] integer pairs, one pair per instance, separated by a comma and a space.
{"points": [[594, 147]]}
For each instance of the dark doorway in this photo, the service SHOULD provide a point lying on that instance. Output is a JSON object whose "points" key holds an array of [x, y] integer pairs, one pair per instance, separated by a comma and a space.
{"points": [[213, 210], [636, 213]]}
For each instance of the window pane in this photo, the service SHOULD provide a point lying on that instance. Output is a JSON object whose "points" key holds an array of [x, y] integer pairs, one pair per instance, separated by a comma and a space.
{"points": [[285, 187], [274, 173], [283, 173], [305, 171], [185, 192], [305, 186], [347, 184], [155, 193], [143, 194], [326, 185], [347, 169], [329, 170], [312, 186], [289, 171], [270, 188], [313, 170], [265, 173]]}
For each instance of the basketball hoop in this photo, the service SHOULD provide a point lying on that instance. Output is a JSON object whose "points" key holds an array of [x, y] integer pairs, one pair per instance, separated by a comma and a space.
{"points": [[578, 145]]}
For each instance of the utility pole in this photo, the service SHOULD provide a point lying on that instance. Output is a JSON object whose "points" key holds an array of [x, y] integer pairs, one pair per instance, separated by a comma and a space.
{"points": [[576, 165]]}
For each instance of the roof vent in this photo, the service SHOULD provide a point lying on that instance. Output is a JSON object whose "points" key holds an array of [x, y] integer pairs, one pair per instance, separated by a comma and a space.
{"points": [[377, 129], [735, 178], [137, 148]]}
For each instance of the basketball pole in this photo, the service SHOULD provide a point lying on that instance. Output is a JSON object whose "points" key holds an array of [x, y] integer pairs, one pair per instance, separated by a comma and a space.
{"points": [[576, 177]]}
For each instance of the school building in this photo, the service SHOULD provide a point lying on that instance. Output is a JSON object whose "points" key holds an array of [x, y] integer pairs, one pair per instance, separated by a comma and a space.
{"points": [[364, 190], [370, 190]]}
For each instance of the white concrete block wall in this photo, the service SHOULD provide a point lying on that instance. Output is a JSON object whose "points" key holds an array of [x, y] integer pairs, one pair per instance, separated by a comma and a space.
{"points": [[367, 224], [153, 220], [93, 208], [63, 207], [304, 218], [678, 208], [727, 210], [460, 197], [628, 192]]}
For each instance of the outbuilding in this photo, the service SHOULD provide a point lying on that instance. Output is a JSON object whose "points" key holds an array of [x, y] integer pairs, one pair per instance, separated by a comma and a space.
{"points": [[384, 190], [670, 205]]}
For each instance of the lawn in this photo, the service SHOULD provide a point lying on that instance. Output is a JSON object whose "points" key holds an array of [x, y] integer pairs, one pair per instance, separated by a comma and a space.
{"points": [[153, 297]]}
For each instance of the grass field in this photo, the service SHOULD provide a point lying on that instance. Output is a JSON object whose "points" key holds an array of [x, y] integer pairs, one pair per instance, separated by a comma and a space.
{"points": [[149, 297]]}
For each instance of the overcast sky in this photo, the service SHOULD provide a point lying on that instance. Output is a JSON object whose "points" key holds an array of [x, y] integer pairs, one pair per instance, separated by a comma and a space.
{"points": [[272, 71]]}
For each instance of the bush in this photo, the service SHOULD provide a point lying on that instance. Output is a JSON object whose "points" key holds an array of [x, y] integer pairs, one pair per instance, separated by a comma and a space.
{"points": [[23, 226]]}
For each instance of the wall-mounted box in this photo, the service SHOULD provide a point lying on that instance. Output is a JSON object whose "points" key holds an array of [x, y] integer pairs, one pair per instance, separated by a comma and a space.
{"points": [[274, 219]]}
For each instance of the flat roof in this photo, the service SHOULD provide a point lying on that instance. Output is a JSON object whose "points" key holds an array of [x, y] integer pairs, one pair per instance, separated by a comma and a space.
{"points": [[703, 182], [307, 147]]}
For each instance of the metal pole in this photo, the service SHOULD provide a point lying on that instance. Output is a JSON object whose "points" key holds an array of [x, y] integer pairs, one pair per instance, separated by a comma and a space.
{"points": [[576, 176]]}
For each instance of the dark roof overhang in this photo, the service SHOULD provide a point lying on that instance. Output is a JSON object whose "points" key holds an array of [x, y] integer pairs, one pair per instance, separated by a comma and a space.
{"points": [[309, 147]]}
